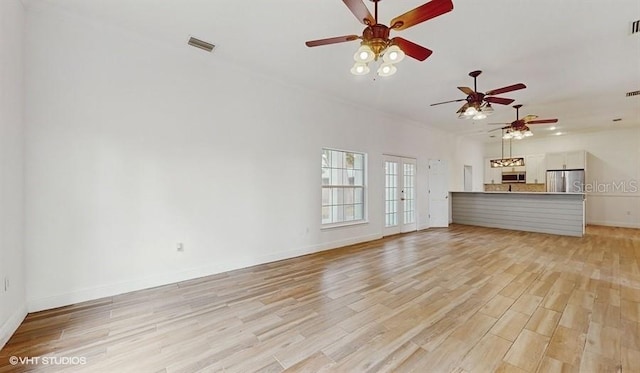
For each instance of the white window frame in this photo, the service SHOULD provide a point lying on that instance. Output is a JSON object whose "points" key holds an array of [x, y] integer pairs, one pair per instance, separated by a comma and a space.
{"points": [[324, 186]]}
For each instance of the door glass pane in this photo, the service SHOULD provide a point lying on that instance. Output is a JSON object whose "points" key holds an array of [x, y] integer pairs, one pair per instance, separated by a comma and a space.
{"points": [[391, 194], [409, 193]]}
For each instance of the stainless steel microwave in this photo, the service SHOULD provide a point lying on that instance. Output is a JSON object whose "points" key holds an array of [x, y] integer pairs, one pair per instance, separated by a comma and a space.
{"points": [[514, 177]]}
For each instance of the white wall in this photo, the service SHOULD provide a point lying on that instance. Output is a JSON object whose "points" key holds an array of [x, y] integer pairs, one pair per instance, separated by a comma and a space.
{"points": [[613, 157], [12, 300], [134, 146], [467, 153]]}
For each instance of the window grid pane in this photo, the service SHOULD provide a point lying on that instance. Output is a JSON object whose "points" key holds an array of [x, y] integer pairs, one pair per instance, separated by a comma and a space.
{"points": [[343, 175]]}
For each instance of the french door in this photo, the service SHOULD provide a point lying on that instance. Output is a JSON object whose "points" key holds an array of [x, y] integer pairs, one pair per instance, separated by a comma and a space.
{"points": [[399, 195]]}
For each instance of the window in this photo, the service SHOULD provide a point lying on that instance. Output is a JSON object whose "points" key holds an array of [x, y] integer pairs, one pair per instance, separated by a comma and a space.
{"points": [[342, 186]]}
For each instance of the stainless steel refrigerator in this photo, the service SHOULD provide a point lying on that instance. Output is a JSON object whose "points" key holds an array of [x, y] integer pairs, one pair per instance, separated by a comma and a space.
{"points": [[567, 181]]}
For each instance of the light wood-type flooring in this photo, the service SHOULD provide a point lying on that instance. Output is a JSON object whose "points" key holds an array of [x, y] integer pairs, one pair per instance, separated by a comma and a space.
{"points": [[458, 299]]}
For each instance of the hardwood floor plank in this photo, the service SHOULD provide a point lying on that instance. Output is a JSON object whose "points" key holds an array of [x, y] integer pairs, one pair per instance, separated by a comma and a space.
{"points": [[567, 345], [497, 306], [487, 355], [630, 360], [510, 325], [551, 365], [527, 351], [317, 362], [543, 321]]}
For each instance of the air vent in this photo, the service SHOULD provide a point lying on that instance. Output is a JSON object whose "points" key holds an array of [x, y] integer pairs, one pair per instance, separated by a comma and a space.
{"points": [[635, 27], [617, 120], [201, 44], [634, 93]]}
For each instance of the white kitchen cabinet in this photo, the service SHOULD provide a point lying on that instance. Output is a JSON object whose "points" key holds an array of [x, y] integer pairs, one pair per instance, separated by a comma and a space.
{"points": [[535, 167], [492, 175], [574, 160]]}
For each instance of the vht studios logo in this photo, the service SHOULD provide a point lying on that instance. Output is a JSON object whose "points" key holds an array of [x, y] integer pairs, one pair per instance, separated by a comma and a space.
{"points": [[48, 360], [625, 186]]}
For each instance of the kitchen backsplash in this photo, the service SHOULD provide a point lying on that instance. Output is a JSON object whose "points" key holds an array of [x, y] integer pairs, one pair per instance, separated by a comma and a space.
{"points": [[515, 187]]}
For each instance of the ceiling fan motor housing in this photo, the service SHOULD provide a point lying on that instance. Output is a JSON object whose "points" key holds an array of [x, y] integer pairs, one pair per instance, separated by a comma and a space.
{"points": [[376, 37]]}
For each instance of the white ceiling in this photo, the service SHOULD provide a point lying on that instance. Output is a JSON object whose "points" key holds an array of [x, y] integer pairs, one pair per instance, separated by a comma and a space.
{"points": [[576, 57]]}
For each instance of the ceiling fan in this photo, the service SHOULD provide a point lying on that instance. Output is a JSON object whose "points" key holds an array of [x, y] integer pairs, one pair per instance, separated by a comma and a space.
{"points": [[519, 128], [478, 104], [375, 37]]}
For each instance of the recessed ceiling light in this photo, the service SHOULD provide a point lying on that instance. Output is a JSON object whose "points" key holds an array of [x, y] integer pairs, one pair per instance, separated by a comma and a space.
{"points": [[552, 128], [558, 133]]}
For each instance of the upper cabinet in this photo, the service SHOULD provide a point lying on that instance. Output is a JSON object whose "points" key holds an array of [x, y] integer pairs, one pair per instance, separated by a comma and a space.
{"points": [[574, 160], [535, 167]]}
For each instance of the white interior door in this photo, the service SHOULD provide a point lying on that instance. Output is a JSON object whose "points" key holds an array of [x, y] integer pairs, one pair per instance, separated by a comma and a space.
{"points": [[399, 195], [438, 193]]}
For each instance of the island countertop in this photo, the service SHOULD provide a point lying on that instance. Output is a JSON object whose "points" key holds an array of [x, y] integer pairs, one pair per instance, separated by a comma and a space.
{"points": [[543, 212], [503, 192]]}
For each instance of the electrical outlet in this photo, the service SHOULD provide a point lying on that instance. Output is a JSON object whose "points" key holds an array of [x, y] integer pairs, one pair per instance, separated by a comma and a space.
{"points": [[180, 247]]}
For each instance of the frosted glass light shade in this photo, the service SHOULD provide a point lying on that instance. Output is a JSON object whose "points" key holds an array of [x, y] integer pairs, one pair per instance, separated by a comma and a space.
{"points": [[364, 54], [393, 54], [387, 69], [487, 109], [471, 111], [360, 68]]}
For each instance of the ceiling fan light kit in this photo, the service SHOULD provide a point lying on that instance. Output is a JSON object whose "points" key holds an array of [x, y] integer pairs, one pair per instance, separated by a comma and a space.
{"points": [[517, 134], [375, 41], [365, 54]]}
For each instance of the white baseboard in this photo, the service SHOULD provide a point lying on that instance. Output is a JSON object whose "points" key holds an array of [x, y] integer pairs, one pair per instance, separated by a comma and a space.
{"points": [[613, 224], [83, 295], [11, 325]]}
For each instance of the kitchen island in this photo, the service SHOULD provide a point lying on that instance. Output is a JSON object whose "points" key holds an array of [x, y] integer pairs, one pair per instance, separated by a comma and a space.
{"points": [[555, 213]]}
